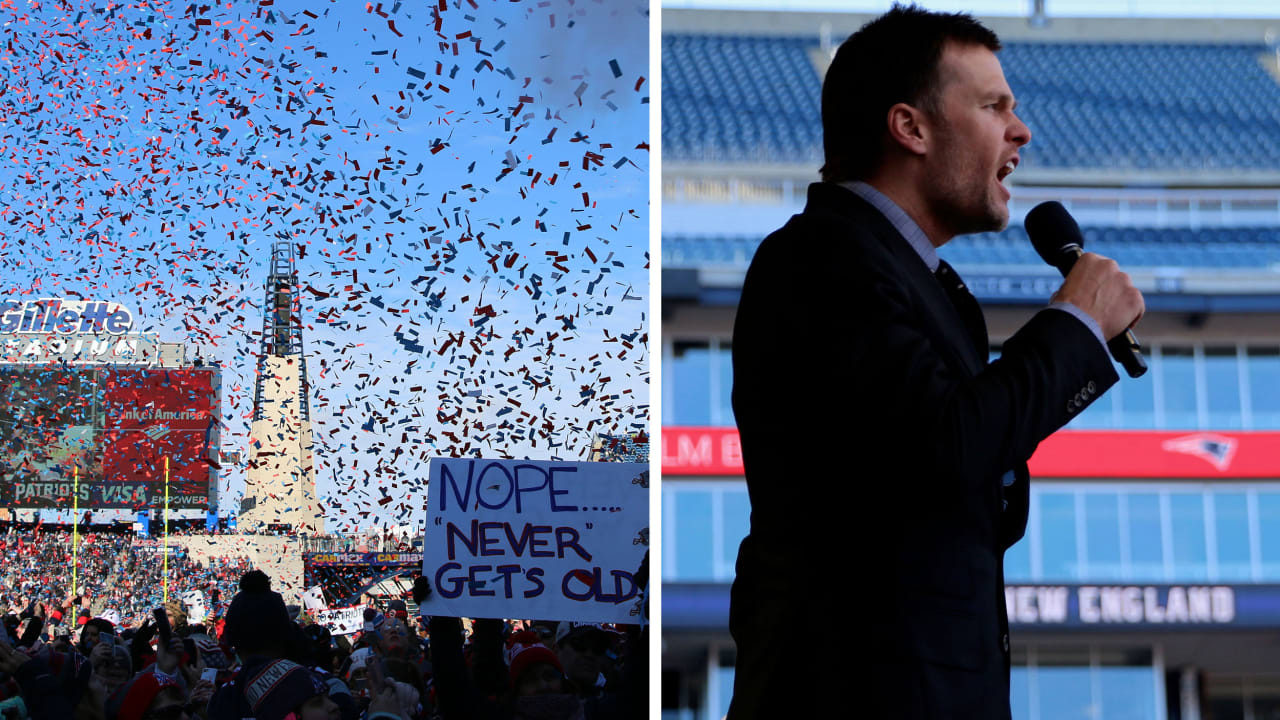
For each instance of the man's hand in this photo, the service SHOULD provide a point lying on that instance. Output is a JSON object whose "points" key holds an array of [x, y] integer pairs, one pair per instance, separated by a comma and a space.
{"points": [[1098, 287], [97, 689], [386, 701], [167, 658], [201, 693], [421, 589], [12, 658]]}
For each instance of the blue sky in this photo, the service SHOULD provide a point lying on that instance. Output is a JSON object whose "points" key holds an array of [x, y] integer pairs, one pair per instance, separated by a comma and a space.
{"points": [[467, 188], [1064, 8]]}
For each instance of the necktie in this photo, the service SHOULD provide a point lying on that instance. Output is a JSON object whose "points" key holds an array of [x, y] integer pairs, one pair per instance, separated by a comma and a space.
{"points": [[966, 306]]}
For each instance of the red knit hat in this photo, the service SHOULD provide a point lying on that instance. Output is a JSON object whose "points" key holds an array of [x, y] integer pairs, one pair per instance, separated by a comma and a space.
{"points": [[523, 650], [131, 701]]}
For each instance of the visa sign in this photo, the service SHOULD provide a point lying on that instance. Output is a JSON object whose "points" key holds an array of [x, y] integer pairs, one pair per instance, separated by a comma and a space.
{"points": [[64, 317]]}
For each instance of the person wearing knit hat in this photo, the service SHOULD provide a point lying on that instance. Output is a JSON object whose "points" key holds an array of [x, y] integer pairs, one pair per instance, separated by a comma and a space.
{"points": [[583, 647], [259, 628], [318, 652], [278, 690], [257, 622], [280, 687], [71, 670], [211, 653], [532, 668], [41, 690], [145, 693], [393, 640], [397, 608], [318, 647], [373, 619], [92, 631], [112, 664], [357, 672]]}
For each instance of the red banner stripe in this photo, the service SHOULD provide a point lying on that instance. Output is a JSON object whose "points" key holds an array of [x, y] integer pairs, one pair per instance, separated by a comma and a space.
{"points": [[716, 451]]}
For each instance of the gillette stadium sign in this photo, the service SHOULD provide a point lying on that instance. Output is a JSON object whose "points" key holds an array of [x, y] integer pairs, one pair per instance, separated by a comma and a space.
{"points": [[76, 332]]}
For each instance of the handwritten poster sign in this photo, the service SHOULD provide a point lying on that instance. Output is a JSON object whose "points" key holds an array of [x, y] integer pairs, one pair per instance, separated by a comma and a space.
{"points": [[535, 539], [342, 621], [313, 598], [194, 600]]}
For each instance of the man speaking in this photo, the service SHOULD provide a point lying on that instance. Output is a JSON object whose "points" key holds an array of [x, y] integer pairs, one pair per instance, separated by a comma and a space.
{"points": [[885, 457]]}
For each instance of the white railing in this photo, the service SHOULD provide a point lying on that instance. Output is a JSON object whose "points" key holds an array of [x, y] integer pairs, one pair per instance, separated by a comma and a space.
{"points": [[1123, 207]]}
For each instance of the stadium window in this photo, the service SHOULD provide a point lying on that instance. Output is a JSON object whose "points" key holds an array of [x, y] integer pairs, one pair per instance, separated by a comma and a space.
{"points": [[1020, 691], [724, 687], [1017, 562], [1128, 692], [722, 413], [689, 402], [736, 523], [1102, 534], [701, 384], [1068, 683], [1064, 692], [1263, 377], [693, 536], [1136, 400], [1231, 532], [1146, 546], [669, 546], [1060, 561], [1269, 535], [1222, 388], [1190, 556], [1178, 375]]}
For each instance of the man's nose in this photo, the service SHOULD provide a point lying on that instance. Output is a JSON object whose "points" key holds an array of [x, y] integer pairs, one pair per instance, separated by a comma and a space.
{"points": [[1019, 133]]}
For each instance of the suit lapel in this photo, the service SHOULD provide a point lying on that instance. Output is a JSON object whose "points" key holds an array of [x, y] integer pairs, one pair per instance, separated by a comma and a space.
{"points": [[944, 319], [966, 305], [942, 314]]}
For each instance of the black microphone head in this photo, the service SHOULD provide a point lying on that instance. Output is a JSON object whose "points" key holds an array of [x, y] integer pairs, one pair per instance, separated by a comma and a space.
{"points": [[1052, 231]]}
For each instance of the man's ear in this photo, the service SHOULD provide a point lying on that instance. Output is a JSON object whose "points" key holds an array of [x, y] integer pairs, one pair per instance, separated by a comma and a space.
{"points": [[908, 129]]}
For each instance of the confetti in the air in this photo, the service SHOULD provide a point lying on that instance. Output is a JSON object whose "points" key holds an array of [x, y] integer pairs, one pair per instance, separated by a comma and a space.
{"points": [[464, 184]]}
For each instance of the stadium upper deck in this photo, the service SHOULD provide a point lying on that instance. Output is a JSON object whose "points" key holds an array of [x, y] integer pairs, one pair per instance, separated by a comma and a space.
{"points": [[1161, 136], [1112, 102]]}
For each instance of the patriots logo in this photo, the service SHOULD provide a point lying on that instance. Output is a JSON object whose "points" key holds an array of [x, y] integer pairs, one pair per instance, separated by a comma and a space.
{"points": [[1215, 449], [155, 432]]}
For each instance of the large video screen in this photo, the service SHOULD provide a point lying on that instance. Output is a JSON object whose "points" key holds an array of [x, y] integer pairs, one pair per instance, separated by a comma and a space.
{"points": [[112, 429]]}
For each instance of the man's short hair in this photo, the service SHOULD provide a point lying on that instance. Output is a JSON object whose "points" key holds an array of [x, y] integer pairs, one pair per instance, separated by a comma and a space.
{"points": [[892, 59]]}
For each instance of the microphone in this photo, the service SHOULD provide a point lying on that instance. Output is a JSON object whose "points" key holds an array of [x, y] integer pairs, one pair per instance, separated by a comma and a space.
{"points": [[1056, 237]]}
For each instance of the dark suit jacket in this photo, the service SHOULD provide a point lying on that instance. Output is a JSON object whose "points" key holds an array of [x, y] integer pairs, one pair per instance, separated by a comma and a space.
{"points": [[875, 437]]}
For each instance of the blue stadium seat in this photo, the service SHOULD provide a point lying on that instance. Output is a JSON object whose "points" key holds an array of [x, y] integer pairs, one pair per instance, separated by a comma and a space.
{"points": [[1133, 247], [729, 98]]}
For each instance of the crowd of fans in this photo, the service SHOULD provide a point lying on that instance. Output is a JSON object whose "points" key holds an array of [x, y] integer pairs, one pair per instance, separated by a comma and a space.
{"points": [[116, 575], [120, 654]]}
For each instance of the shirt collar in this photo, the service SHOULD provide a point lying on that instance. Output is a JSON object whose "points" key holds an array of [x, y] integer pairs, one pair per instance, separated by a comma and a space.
{"points": [[900, 220]]}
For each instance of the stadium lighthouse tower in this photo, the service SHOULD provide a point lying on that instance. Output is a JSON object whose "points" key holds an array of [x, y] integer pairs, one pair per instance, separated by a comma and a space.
{"points": [[280, 487]]}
